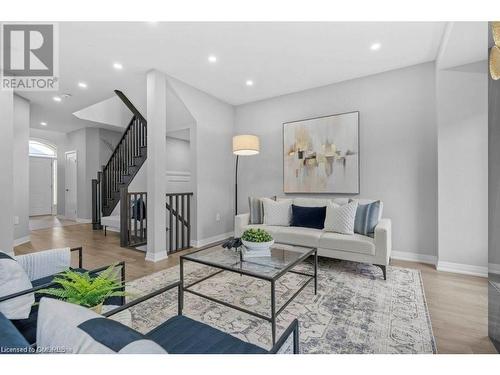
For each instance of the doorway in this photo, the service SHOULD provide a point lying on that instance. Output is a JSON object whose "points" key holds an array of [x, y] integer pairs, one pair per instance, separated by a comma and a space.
{"points": [[71, 185], [41, 186]]}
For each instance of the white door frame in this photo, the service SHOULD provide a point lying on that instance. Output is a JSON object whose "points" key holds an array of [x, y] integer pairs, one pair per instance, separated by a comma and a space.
{"points": [[75, 215]]}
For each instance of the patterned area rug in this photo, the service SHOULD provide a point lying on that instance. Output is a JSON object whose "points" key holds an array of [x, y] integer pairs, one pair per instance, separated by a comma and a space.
{"points": [[355, 310]]}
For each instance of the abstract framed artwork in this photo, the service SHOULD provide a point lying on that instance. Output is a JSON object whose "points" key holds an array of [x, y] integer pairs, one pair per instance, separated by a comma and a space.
{"points": [[321, 155]]}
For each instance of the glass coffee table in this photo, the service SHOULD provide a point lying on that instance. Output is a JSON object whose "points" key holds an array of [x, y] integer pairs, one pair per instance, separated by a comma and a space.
{"points": [[282, 260]]}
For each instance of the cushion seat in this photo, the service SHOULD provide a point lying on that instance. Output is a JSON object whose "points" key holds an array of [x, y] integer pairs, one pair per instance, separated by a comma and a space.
{"points": [[298, 236], [353, 243], [182, 335], [271, 229]]}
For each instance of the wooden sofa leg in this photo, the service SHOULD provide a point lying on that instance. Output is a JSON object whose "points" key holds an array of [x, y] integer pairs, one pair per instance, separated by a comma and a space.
{"points": [[384, 270]]}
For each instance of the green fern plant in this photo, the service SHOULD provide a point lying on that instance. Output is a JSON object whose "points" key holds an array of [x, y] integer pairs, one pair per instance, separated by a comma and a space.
{"points": [[85, 289]]}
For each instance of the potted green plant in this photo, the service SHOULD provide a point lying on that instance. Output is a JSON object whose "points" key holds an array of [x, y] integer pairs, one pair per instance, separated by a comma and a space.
{"points": [[82, 288], [257, 239]]}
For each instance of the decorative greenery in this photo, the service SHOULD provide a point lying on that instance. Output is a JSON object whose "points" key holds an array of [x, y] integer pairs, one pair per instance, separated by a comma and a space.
{"points": [[256, 235], [85, 289]]}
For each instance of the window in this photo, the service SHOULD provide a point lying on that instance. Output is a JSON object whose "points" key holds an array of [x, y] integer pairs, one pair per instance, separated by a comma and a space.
{"points": [[37, 148]]}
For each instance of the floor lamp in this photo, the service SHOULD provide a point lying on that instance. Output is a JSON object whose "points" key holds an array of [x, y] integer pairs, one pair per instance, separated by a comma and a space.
{"points": [[243, 145]]}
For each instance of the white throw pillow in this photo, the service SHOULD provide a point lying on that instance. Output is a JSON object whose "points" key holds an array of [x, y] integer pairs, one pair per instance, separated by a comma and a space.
{"points": [[340, 219], [76, 329], [13, 279], [277, 213]]}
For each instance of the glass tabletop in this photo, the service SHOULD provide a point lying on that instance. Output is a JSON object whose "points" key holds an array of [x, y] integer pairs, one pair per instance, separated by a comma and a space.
{"points": [[281, 258]]}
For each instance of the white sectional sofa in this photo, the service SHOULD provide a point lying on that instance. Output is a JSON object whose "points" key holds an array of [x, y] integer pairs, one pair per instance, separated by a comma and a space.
{"points": [[356, 247]]}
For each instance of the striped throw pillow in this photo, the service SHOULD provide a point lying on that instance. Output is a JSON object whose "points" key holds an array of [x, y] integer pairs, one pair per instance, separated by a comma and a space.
{"points": [[366, 220]]}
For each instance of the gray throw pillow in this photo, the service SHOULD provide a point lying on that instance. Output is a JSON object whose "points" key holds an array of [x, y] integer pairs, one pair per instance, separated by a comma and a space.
{"points": [[367, 217], [13, 279], [257, 209]]}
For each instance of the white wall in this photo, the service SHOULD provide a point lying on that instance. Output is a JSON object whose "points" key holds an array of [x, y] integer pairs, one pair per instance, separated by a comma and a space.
{"points": [[21, 169], [211, 169], [462, 108], [6, 171], [398, 146], [178, 166]]}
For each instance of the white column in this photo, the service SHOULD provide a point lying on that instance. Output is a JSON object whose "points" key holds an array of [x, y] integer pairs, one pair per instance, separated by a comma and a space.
{"points": [[156, 165], [6, 171]]}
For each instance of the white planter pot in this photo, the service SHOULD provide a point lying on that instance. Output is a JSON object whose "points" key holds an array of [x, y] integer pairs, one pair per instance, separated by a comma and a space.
{"points": [[257, 245]]}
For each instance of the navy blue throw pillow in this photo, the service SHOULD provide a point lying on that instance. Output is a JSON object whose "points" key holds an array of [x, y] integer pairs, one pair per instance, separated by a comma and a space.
{"points": [[308, 217]]}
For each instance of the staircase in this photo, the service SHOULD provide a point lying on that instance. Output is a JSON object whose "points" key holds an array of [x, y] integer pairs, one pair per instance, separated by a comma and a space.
{"points": [[125, 161]]}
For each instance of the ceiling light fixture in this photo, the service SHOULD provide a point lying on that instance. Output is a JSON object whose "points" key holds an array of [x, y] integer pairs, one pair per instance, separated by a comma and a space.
{"points": [[117, 66], [43, 123], [57, 98], [375, 46], [212, 59], [249, 82], [83, 85]]}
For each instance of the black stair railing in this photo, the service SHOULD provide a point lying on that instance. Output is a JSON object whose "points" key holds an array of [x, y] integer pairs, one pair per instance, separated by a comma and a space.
{"points": [[133, 230], [178, 221], [133, 223], [127, 158]]}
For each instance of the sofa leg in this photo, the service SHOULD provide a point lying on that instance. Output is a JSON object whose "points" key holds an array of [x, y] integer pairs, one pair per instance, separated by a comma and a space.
{"points": [[384, 270]]}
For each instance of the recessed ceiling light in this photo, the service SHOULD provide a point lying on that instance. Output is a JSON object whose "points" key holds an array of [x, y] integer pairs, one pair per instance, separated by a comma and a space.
{"points": [[83, 85], [212, 58], [57, 98], [375, 46], [249, 82], [43, 123], [117, 66]]}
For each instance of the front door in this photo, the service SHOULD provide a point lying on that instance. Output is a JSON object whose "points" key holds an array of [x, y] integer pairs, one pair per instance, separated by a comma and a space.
{"points": [[41, 176]]}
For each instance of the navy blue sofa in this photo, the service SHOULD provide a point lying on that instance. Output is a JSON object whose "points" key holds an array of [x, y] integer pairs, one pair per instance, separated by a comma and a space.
{"points": [[178, 335]]}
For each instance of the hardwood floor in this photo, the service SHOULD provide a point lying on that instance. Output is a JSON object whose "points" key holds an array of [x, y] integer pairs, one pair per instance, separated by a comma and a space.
{"points": [[458, 304]]}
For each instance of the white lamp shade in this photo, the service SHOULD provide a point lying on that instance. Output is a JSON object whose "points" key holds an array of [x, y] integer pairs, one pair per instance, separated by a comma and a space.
{"points": [[246, 145]]}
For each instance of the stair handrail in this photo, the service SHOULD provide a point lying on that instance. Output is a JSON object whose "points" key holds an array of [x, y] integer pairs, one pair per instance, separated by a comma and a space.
{"points": [[129, 104], [135, 113]]}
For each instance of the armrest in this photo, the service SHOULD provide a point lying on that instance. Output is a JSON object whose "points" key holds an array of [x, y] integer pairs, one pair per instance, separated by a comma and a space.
{"points": [[293, 328], [383, 239], [240, 221], [45, 263], [51, 284]]}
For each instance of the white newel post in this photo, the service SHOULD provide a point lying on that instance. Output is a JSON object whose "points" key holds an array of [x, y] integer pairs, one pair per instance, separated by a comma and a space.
{"points": [[6, 171], [156, 165]]}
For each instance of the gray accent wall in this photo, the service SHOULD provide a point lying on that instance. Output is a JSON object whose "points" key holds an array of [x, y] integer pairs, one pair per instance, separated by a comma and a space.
{"points": [[398, 153], [494, 208], [6, 171], [462, 112]]}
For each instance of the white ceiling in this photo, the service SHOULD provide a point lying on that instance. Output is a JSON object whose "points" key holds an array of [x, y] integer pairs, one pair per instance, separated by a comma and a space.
{"points": [[279, 57]]}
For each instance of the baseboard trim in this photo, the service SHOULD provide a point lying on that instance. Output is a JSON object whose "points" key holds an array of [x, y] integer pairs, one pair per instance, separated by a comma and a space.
{"points": [[211, 240], [156, 256], [414, 257], [22, 240], [464, 269], [83, 221], [494, 268]]}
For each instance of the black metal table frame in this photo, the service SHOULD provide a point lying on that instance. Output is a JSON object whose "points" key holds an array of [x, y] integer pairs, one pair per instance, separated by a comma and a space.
{"points": [[272, 279]]}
